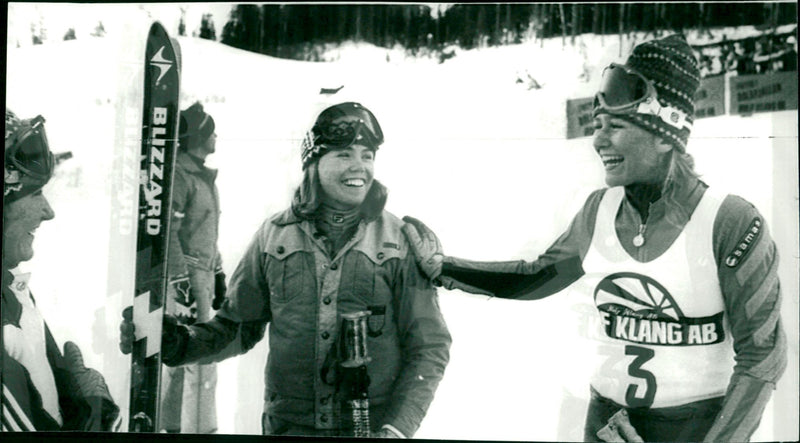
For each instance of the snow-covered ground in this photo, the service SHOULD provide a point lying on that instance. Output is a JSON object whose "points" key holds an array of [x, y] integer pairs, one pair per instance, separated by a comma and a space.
{"points": [[481, 159]]}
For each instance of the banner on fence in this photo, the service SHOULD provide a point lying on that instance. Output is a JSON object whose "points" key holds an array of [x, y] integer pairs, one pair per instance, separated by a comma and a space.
{"points": [[763, 92], [579, 117], [710, 98]]}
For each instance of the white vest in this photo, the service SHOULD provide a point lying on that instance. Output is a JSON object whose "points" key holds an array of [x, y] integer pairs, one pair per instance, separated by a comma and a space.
{"points": [[27, 345], [662, 333]]}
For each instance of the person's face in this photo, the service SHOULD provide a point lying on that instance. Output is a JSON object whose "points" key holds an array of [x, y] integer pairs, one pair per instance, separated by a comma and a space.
{"points": [[629, 153], [208, 147], [204, 149], [20, 220], [346, 175]]}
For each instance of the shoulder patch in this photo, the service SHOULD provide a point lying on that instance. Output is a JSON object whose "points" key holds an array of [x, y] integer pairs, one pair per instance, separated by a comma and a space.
{"points": [[391, 245], [744, 244]]}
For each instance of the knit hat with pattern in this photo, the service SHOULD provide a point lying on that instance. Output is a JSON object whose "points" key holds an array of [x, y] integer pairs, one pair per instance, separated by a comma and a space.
{"points": [[669, 63]]}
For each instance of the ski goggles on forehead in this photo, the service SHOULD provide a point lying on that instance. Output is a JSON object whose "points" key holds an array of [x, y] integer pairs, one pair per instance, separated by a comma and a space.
{"points": [[29, 152], [347, 124], [623, 90]]}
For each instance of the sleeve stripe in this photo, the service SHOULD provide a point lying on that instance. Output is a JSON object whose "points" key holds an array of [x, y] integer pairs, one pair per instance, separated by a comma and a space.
{"points": [[764, 332], [755, 403], [774, 364], [744, 405], [767, 287], [13, 413], [750, 266], [10, 424]]}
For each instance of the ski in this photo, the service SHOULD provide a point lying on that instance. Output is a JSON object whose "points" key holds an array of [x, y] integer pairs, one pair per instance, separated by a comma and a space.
{"points": [[156, 160]]}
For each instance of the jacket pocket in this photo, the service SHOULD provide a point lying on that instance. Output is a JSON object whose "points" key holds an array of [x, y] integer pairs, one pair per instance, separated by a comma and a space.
{"points": [[289, 277], [358, 279]]}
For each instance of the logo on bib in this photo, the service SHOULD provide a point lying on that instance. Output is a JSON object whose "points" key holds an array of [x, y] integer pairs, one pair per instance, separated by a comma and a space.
{"points": [[638, 309]]}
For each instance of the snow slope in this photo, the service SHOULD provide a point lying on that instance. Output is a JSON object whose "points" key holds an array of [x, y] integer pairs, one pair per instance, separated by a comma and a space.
{"points": [[467, 150]]}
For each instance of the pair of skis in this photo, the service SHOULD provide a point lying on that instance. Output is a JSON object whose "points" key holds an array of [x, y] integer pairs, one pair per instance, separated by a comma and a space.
{"points": [[146, 146]]}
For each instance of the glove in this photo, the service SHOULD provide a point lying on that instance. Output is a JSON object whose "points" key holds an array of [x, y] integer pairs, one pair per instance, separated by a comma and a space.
{"points": [[619, 429], [96, 409], [126, 331], [127, 335], [185, 301], [219, 290], [426, 247]]}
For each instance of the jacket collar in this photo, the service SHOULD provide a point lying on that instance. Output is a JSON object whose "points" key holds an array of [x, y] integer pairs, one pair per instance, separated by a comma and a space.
{"points": [[194, 166], [678, 200], [10, 307]]}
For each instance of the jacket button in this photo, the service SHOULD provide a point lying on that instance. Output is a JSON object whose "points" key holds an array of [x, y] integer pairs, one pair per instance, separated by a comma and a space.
{"points": [[326, 300], [281, 249], [334, 266], [325, 335], [380, 256]]}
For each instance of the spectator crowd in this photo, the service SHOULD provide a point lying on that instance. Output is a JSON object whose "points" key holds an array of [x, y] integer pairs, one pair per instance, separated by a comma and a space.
{"points": [[755, 55]]}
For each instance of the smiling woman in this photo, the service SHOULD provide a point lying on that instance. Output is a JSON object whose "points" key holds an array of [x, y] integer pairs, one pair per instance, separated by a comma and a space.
{"points": [[629, 153], [345, 175], [333, 278], [684, 277]]}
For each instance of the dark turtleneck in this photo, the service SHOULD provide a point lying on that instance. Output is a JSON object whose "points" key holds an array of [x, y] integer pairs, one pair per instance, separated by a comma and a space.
{"points": [[336, 225], [640, 195]]}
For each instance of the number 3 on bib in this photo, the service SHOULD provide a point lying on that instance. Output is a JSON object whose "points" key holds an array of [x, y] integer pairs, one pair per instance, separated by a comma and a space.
{"points": [[643, 355]]}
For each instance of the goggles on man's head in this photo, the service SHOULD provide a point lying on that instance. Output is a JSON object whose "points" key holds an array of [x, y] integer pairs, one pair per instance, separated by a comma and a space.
{"points": [[625, 91], [346, 124], [29, 153]]}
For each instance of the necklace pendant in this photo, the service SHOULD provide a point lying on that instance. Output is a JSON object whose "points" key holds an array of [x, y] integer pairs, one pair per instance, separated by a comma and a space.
{"points": [[638, 240]]}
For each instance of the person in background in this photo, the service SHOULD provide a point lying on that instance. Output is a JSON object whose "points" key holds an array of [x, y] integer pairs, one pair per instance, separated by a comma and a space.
{"points": [[42, 390], [684, 277], [334, 253], [197, 282], [788, 57], [762, 56]]}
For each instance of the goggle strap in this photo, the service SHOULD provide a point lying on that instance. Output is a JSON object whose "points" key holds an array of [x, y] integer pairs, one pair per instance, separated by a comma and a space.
{"points": [[665, 113]]}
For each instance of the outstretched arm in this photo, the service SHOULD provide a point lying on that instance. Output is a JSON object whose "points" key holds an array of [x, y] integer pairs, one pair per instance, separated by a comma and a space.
{"points": [[234, 330], [551, 272]]}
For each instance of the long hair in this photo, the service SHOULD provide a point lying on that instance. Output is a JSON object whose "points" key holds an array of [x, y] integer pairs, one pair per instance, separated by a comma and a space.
{"points": [[681, 168], [308, 195]]}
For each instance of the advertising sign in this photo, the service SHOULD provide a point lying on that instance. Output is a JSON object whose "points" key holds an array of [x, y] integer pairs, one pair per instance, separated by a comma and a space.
{"points": [[579, 117], [710, 98], [763, 93]]}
